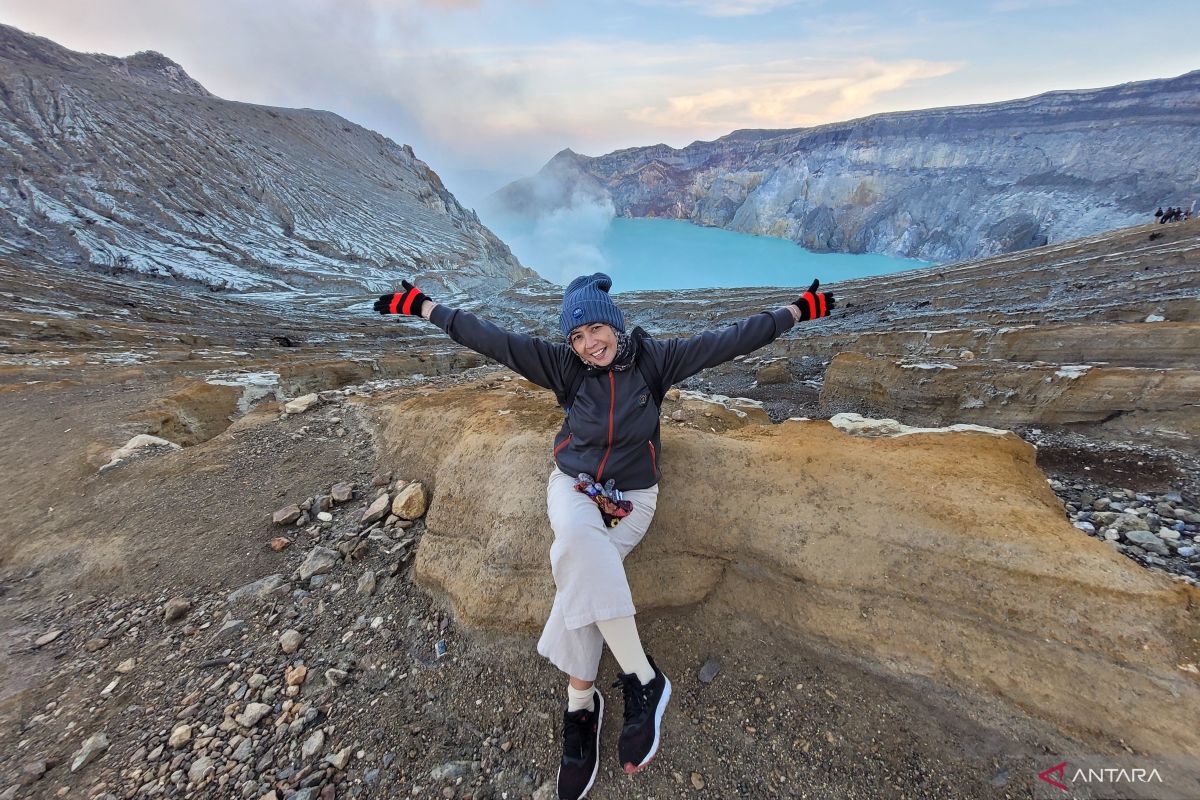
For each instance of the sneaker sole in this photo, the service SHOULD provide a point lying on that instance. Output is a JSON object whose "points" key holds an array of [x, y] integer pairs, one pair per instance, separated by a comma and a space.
{"points": [[631, 769], [596, 767]]}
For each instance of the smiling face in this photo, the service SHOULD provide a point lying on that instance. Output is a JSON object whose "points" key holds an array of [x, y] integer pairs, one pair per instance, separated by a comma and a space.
{"points": [[595, 343]]}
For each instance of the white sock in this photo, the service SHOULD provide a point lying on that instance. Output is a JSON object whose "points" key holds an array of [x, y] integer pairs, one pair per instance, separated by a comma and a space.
{"points": [[579, 699], [621, 636]]}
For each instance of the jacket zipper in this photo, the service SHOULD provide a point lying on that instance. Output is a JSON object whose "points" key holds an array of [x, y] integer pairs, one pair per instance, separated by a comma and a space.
{"points": [[653, 462], [612, 399], [561, 445]]}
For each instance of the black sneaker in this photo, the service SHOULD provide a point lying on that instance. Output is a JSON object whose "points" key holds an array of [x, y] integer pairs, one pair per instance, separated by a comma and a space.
{"points": [[581, 742], [644, 707]]}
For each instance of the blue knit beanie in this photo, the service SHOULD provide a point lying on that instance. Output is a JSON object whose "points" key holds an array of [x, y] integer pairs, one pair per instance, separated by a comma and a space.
{"points": [[586, 300]]}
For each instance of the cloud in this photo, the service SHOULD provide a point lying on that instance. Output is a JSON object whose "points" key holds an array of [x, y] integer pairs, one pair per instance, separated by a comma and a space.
{"points": [[401, 67], [858, 95], [787, 95], [1006, 6], [730, 8]]}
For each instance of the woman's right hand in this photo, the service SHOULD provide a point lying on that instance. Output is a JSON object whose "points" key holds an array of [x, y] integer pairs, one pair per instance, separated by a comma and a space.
{"points": [[409, 301]]}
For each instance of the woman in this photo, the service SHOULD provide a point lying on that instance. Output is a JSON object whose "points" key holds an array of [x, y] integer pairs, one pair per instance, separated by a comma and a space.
{"points": [[611, 384]]}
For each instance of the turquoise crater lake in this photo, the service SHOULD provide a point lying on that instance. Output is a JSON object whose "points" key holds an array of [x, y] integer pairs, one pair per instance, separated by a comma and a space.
{"points": [[673, 254]]}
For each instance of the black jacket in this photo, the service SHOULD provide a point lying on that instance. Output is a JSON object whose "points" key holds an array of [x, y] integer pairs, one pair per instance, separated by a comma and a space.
{"points": [[612, 430]]}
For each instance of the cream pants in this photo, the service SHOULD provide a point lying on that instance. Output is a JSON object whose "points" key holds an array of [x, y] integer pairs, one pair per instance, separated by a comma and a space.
{"points": [[587, 560]]}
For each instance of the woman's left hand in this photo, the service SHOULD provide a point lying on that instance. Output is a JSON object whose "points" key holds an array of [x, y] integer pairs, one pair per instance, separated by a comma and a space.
{"points": [[409, 301], [814, 304]]}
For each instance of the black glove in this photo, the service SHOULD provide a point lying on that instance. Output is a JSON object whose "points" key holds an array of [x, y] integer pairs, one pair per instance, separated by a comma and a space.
{"points": [[814, 304], [407, 302]]}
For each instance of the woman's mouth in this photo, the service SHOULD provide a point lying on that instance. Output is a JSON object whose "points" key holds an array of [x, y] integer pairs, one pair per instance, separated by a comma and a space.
{"points": [[596, 356]]}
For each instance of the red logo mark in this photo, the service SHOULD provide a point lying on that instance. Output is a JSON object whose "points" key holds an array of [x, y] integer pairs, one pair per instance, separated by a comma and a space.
{"points": [[1057, 768]]}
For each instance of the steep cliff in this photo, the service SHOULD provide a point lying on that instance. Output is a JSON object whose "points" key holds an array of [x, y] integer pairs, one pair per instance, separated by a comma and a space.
{"points": [[938, 184], [128, 164]]}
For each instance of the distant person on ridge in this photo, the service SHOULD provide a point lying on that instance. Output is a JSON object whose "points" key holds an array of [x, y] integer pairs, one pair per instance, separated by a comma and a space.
{"points": [[603, 490], [1158, 214]]}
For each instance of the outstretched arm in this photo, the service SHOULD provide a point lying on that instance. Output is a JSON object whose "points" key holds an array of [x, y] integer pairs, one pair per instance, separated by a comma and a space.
{"points": [[544, 363], [683, 358]]}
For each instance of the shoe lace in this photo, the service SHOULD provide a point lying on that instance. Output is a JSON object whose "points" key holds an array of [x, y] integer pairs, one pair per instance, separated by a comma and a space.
{"points": [[574, 730], [637, 696]]}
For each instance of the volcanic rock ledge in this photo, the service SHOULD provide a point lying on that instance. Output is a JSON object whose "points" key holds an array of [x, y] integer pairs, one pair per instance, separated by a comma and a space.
{"points": [[940, 554]]}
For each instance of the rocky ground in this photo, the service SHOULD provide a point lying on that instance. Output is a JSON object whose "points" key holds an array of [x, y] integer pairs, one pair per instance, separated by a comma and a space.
{"points": [[336, 676], [133, 663]]}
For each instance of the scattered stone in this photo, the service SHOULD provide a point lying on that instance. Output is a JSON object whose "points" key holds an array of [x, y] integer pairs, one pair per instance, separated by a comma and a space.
{"points": [[280, 543], [697, 781], [47, 637], [290, 641], [335, 677], [1147, 541], [342, 492], [319, 561], [258, 590], [382, 479], [451, 770], [92, 749], [301, 404], [774, 372], [294, 676], [142, 440], [200, 770], [709, 670], [181, 735], [287, 515], [412, 501], [244, 750], [253, 713], [32, 771], [176, 608], [366, 583], [324, 516], [1126, 522], [377, 509], [231, 629], [92, 645], [314, 744], [125, 666], [339, 759]]}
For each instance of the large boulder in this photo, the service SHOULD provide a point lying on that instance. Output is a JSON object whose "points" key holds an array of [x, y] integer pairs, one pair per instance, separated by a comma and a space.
{"points": [[942, 553]]}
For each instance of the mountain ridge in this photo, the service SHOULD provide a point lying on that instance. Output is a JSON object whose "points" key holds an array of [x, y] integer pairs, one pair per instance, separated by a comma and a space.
{"points": [[937, 184], [129, 165]]}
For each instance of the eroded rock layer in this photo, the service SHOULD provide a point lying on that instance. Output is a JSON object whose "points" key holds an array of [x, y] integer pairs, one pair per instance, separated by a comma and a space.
{"points": [[943, 554]]}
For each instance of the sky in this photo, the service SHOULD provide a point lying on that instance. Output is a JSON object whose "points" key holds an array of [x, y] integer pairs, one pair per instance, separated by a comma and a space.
{"points": [[487, 91]]}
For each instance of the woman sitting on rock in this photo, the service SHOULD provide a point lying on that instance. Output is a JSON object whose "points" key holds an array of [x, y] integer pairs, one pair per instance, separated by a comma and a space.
{"points": [[603, 489]]}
